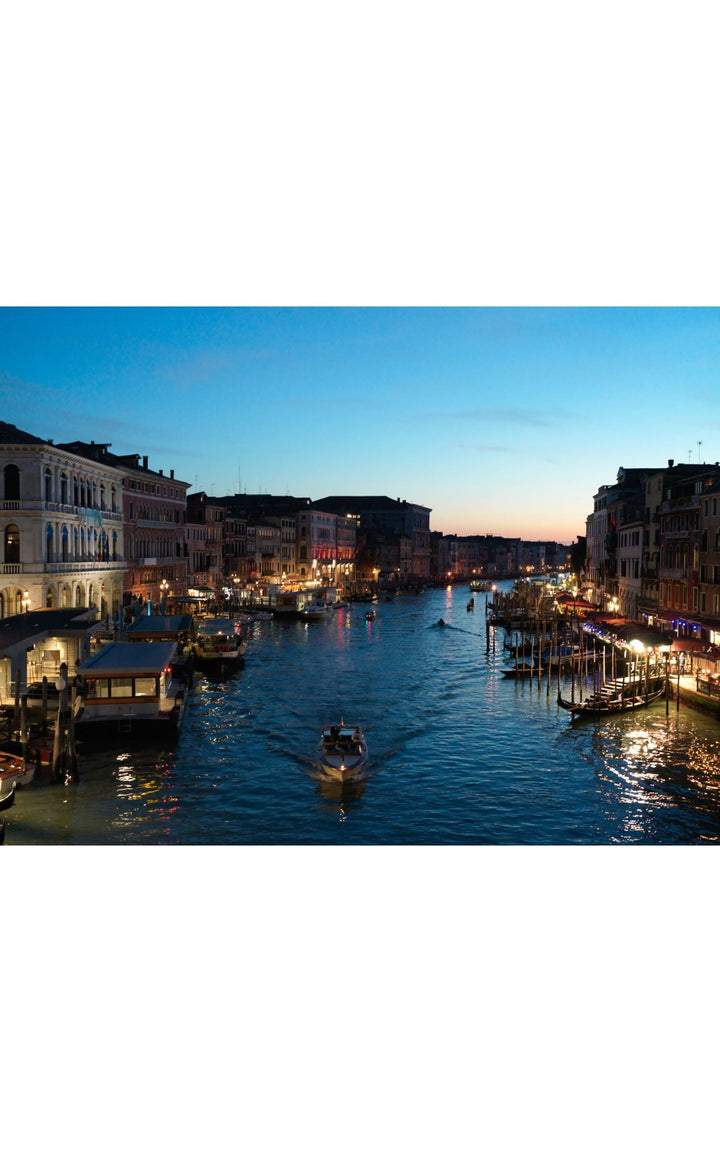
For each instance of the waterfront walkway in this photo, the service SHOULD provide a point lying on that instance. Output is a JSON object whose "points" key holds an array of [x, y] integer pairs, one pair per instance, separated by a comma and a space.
{"points": [[693, 696]]}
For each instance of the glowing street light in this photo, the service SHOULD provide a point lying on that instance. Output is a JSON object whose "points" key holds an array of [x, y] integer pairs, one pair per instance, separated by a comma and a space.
{"points": [[163, 592]]}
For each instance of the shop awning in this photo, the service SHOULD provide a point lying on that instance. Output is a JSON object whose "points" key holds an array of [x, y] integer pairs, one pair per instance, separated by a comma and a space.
{"points": [[688, 645]]}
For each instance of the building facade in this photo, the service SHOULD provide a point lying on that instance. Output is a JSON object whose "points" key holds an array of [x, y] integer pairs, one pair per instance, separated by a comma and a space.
{"points": [[61, 526], [154, 513], [382, 523]]}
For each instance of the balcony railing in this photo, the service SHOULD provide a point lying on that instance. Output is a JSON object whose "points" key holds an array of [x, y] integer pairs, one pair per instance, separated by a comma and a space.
{"points": [[86, 566], [80, 510]]}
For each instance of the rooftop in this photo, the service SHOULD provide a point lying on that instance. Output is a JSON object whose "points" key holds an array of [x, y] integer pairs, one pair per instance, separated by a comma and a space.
{"points": [[128, 659]]}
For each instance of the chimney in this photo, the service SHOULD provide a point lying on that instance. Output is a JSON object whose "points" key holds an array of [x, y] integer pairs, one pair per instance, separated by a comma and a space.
{"points": [[160, 472], [172, 473], [145, 460], [670, 463]]}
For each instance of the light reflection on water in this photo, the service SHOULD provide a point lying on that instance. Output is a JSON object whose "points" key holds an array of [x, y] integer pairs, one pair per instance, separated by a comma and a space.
{"points": [[457, 753]]}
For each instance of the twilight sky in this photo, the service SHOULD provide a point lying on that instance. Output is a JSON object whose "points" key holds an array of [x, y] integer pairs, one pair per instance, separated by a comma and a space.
{"points": [[502, 420]]}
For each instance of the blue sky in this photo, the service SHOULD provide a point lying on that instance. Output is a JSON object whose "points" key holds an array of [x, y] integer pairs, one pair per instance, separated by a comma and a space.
{"points": [[502, 420]]}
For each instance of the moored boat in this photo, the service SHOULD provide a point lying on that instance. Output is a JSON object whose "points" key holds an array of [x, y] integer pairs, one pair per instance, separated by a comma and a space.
{"points": [[343, 750], [315, 611], [14, 771], [603, 705], [7, 800], [218, 640]]}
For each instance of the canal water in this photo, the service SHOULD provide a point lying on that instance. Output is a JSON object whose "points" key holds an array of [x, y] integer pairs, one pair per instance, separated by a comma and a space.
{"points": [[458, 754]]}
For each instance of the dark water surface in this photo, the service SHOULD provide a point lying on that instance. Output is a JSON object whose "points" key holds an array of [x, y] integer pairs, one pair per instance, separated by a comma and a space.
{"points": [[458, 754]]}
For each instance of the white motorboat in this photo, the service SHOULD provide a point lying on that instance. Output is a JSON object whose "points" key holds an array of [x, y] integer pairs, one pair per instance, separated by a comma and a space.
{"points": [[219, 641], [343, 750], [315, 611]]}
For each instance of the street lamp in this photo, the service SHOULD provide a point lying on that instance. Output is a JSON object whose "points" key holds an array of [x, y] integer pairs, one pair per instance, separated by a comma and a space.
{"points": [[26, 601], [163, 592]]}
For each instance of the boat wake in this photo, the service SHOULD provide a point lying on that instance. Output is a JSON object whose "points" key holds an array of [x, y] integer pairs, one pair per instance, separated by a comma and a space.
{"points": [[455, 628]]}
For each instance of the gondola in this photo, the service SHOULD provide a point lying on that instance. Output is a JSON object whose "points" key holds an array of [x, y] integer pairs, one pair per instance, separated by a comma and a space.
{"points": [[599, 705]]}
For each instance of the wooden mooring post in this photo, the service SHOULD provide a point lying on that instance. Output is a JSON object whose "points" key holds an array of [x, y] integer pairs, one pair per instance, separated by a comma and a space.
{"points": [[44, 712], [64, 754], [24, 725]]}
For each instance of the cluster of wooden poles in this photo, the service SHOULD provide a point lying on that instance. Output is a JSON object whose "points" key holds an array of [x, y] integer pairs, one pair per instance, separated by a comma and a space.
{"points": [[555, 642], [33, 737]]}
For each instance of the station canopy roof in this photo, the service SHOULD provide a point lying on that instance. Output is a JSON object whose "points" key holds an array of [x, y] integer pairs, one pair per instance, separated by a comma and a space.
{"points": [[127, 659]]}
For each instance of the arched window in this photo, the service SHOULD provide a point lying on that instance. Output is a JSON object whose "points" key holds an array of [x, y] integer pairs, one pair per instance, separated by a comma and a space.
{"points": [[79, 599], [12, 482], [76, 491], [49, 544], [64, 544], [102, 496], [50, 599], [12, 544], [113, 500], [63, 488], [75, 543], [48, 485], [114, 546]]}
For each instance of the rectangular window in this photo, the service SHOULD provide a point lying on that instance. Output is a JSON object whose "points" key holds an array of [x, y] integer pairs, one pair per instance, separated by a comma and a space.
{"points": [[145, 686], [122, 686]]}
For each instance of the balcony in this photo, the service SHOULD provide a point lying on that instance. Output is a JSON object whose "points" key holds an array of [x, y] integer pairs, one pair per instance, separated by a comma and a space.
{"points": [[92, 566]]}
